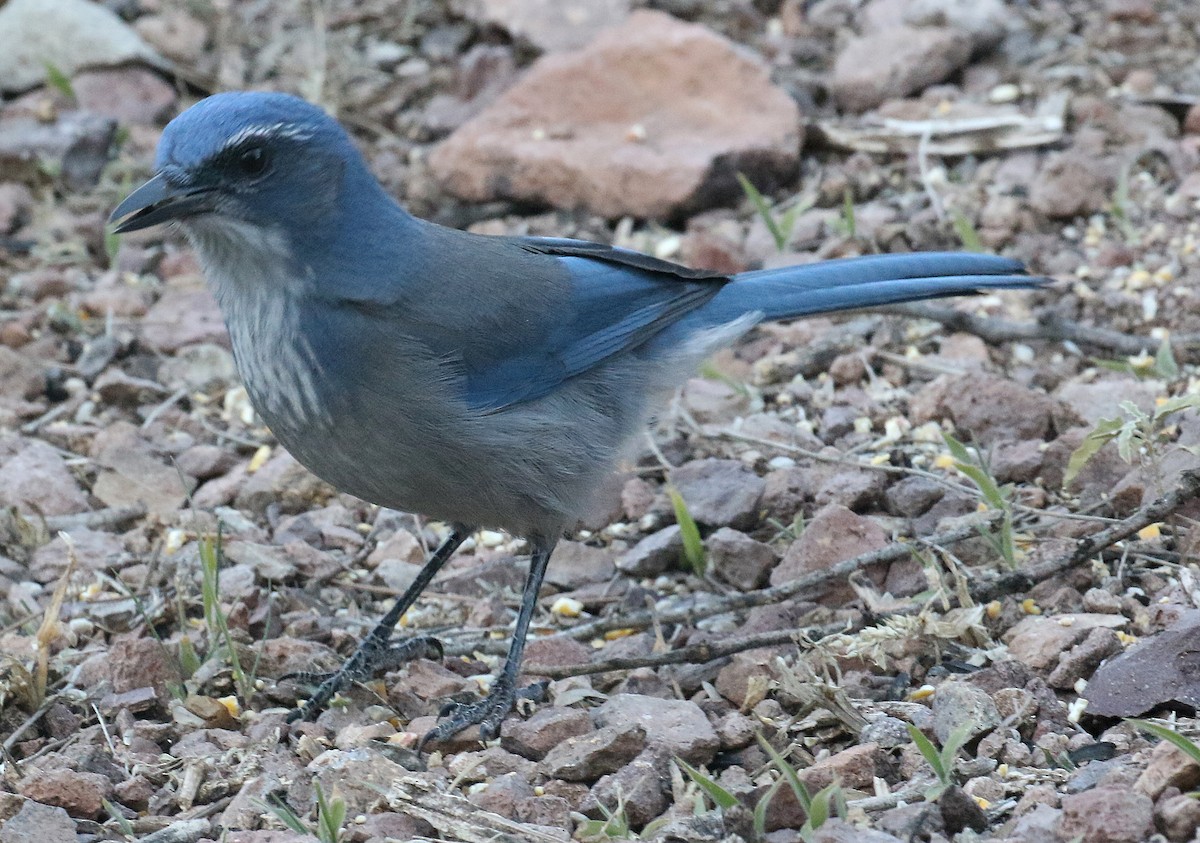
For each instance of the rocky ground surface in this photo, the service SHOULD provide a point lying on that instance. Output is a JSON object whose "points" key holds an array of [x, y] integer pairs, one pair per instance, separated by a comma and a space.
{"points": [[757, 692]]}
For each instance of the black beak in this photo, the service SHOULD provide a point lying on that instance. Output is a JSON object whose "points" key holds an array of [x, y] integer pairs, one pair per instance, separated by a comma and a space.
{"points": [[159, 201]]}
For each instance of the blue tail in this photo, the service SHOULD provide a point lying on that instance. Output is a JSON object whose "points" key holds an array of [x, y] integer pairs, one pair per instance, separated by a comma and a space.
{"points": [[871, 281]]}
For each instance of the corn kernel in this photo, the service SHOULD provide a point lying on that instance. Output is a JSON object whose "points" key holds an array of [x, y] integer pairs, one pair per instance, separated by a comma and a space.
{"points": [[922, 693], [259, 459], [566, 607]]}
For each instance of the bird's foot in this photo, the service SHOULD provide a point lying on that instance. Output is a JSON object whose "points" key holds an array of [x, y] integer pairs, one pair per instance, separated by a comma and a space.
{"points": [[488, 712], [371, 657]]}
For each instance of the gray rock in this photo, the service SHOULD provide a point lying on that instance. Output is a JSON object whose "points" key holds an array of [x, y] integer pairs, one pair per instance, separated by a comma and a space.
{"points": [[640, 787], [676, 726], [740, 560], [653, 554], [720, 493], [957, 704], [76, 145], [587, 757], [36, 480], [68, 35], [913, 496], [547, 728], [38, 823]]}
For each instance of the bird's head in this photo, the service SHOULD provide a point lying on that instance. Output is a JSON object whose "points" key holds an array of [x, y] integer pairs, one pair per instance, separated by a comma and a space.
{"points": [[243, 159]]}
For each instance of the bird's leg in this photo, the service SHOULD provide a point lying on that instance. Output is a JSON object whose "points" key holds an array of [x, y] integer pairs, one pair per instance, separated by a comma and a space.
{"points": [[490, 711], [375, 652]]}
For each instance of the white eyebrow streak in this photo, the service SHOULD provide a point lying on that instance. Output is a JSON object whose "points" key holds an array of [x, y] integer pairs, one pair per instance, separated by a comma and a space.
{"points": [[267, 131]]}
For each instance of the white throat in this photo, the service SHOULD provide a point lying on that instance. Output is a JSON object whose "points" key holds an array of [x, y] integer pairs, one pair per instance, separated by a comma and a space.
{"points": [[258, 287]]}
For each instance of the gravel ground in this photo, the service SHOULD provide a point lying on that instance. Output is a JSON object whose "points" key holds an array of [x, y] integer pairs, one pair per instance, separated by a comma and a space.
{"points": [[885, 635]]}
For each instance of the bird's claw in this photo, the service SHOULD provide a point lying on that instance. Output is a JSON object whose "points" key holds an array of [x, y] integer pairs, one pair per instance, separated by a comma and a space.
{"points": [[488, 712], [370, 658]]}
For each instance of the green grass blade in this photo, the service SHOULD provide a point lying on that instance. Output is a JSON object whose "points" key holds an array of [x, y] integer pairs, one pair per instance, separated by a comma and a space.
{"points": [[930, 753], [967, 235], [693, 545], [764, 211], [789, 774], [721, 797]]}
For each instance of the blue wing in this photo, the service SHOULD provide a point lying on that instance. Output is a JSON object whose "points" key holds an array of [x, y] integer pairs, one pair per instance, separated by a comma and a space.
{"points": [[613, 300]]}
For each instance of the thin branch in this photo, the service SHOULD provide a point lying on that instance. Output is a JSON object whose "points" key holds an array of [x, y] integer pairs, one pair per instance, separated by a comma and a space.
{"points": [[1049, 327], [693, 654], [1188, 489]]}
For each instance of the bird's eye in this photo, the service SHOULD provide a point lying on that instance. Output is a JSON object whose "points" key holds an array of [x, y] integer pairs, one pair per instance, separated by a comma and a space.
{"points": [[253, 162]]}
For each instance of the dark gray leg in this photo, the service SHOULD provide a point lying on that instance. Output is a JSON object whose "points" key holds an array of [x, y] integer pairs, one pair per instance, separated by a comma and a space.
{"points": [[375, 653], [490, 711]]}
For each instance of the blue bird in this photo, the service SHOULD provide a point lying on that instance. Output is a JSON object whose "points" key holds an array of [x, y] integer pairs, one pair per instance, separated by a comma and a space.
{"points": [[482, 381]]}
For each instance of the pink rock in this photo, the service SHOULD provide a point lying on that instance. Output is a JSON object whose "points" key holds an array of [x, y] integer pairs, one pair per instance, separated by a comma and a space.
{"points": [[132, 473], [126, 94], [1072, 182], [653, 118], [34, 478], [1169, 767], [896, 62], [1106, 815], [183, 317], [550, 24]]}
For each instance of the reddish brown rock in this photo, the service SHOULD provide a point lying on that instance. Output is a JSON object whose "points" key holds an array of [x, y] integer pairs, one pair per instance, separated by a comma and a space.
{"points": [[834, 535], [20, 377], [174, 33], [183, 317], [1038, 641], [990, 409], [1072, 183], [653, 118], [1177, 817], [140, 663], [132, 474], [81, 795], [1082, 660]]}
